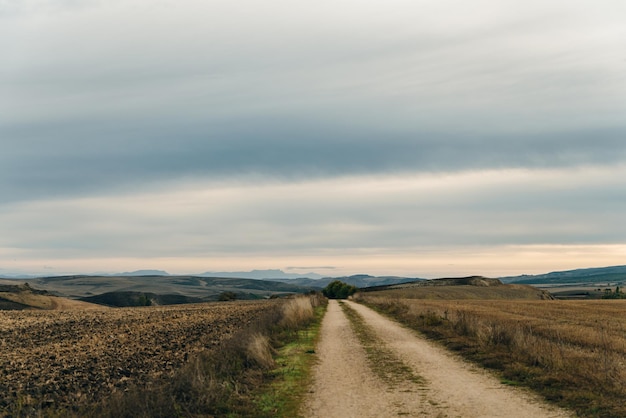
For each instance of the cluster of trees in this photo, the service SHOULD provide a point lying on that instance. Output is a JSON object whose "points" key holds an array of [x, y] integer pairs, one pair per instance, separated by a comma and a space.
{"points": [[226, 296], [144, 300], [339, 290], [618, 294]]}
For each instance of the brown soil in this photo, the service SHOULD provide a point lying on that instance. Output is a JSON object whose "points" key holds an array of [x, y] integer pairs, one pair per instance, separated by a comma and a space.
{"points": [[345, 385], [67, 358]]}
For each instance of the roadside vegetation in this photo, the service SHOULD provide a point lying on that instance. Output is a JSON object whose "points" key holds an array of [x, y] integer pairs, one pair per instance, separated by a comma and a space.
{"points": [[250, 374], [292, 374], [339, 290], [571, 352], [252, 349]]}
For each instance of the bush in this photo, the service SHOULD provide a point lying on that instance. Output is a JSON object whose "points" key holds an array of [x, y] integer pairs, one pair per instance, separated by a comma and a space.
{"points": [[227, 296], [298, 312], [339, 290]]}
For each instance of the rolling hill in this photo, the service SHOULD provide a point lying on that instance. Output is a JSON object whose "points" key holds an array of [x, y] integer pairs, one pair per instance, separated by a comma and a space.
{"points": [[23, 296], [614, 274], [161, 290], [474, 287]]}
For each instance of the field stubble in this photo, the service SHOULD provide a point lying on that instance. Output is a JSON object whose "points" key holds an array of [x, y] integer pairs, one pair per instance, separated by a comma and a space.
{"points": [[573, 352], [66, 359]]}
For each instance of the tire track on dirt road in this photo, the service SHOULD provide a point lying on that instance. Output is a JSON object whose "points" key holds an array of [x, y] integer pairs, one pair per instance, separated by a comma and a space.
{"points": [[346, 386]]}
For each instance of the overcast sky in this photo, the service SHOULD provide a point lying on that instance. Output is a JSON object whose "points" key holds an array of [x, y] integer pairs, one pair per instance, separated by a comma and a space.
{"points": [[419, 138]]}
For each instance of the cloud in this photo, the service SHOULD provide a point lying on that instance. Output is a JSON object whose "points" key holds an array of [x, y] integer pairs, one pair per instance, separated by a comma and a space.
{"points": [[220, 90], [59, 164], [348, 127], [391, 216]]}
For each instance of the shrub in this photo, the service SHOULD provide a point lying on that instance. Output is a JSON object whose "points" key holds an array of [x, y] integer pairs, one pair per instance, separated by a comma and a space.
{"points": [[259, 349], [297, 311], [227, 296], [339, 290]]}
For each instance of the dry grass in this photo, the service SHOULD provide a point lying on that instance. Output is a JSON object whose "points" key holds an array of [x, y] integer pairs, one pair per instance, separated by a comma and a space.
{"points": [[227, 380], [259, 349], [507, 291], [573, 352], [298, 311], [183, 360], [217, 382], [291, 377]]}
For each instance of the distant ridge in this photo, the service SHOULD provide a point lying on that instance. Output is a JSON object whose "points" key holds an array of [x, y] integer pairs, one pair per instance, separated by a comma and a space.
{"points": [[22, 276], [129, 290], [358, 280], [613, 274], [477, 281], [261, 274], [142, 273], [463, 281], [586, 275]]}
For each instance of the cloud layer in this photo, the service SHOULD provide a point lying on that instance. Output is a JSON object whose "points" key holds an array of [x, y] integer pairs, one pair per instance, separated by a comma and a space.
{"points": [[280, 131]]}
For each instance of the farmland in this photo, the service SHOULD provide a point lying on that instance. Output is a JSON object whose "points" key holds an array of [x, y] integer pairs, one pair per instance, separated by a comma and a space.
{"points": [[572, 352], [65, 359]]}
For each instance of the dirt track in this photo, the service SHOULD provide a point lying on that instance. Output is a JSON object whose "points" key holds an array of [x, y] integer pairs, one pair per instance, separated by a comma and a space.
{"points": [[346, 386]]}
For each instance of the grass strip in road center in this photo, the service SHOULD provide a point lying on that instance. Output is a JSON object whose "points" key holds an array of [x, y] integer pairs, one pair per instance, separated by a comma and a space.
{"points": [[383, 361]]}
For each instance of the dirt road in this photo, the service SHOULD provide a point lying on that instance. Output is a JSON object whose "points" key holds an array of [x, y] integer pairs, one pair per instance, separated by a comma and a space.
{"points": [[382, 369]]}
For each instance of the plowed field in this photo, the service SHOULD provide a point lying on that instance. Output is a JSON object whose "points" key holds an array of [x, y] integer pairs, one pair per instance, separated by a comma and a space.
{"points": [[67, 358]]}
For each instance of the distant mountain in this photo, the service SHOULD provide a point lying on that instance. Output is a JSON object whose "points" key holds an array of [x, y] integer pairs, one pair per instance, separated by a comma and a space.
{"points": [[142, 273], [8, 275], [16, 276], [261, 274], [587, 275], [358, 280]]}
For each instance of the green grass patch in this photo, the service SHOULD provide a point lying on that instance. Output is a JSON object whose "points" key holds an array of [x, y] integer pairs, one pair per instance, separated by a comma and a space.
{"points": [[292, 376]]}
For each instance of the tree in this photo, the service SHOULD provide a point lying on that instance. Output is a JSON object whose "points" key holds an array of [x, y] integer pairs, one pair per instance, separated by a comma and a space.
{"points": [[339, 290], [144, 300], [226, 296]]}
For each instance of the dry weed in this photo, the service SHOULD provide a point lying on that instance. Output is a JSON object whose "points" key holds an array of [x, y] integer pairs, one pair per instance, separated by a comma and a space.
{"points": [[298, 311], [260, 350], [573, 351]]}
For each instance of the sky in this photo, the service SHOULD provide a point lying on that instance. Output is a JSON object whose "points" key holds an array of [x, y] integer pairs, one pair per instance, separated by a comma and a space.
{"points": [[418, 138]]}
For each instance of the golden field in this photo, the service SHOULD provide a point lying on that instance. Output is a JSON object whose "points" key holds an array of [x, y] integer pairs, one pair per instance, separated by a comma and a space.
{"points": [[572, 352]]}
